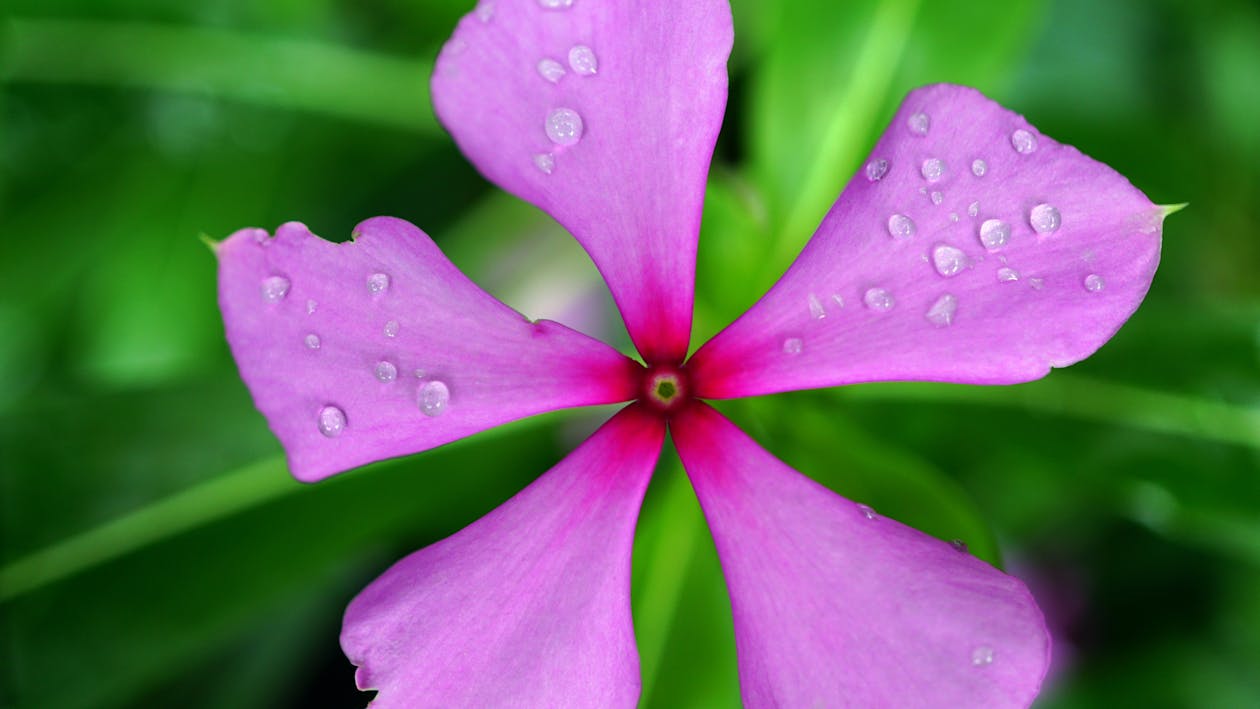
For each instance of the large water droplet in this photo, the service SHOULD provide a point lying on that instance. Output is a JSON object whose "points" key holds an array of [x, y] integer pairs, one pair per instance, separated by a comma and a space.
{"points": [[867, 511], [385, 371], [1023, 141], [582, 59], [274, 288], [942, 311], [564, 126], [391, 328], [378, 283], [793, 346], [546, 162], [433, 397], [1094, 283], [816, 310], [1044, 219], [312, 341], [876, 169], [982, 655], [900, 226], [979, 167], [878, 299], [919, 123], [948, 260], [550, 69], [994, 233], [332, 421], [555, 4], [1007, 275], [933, 169]]}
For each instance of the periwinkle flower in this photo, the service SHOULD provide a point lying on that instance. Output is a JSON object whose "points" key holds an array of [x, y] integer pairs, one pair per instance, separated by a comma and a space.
{"points": [[969, 248]]}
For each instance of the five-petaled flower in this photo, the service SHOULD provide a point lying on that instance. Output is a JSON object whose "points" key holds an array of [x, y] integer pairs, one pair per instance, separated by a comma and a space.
{"points": [[968, 248]]}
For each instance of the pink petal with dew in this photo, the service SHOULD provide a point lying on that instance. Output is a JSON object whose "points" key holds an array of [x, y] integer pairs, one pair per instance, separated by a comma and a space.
{"points": [[380, 347], [969, 248], [528, 606], [603, 113], [835, 605]]}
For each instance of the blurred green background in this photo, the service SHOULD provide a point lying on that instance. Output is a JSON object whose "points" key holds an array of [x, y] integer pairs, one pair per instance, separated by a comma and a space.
{"points": [[154, 551]]}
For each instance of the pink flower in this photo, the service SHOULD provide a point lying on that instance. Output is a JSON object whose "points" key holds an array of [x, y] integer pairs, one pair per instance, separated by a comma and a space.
{"points": [[969, 248]]}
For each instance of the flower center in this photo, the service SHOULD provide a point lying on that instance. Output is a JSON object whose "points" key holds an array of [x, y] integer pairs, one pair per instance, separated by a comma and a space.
{"points": [[664, 388]]}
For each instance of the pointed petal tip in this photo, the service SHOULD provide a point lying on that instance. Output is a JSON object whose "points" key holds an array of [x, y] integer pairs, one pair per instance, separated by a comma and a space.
{"points": [[1170, 209]]}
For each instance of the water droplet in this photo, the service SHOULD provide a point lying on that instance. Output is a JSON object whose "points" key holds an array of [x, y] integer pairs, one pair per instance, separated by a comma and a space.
{"points": [[274, 288], [973, 209], [878, 299], [994, 233], [942, 311], [839, 300], [385, 371], [311, 306], [1007, 275], [433, 397], [876, 169], [485, 10], [816, 310], [959, 546], [1037, 283], [419, 373], [793, 346], [867, 511], [564, 126], [937, 198], [982, 655], [933, 169], [582, 59], [312, 341], [550, 69], [919, 123], [953, 216], [979, 167], [1023, 141], [948, 260], [545, 162], [1044, 219], [377, 283], [900, 226], [555, 4], [1094, 283], [391, 328], [332, 421]]}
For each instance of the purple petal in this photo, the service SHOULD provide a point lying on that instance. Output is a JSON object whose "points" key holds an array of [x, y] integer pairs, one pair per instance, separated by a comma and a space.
{"points": [[835, 605], [604, 114], [381, 347], [528, 606], [970, 248]]}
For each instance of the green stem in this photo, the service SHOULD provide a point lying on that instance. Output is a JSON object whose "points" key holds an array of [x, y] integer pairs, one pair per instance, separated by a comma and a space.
{"points": [[212, 500], [282, 73], [1063, 394]]}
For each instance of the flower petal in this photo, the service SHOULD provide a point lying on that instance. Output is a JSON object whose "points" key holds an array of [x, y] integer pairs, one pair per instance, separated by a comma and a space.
{"points": [[835, 605], [604, 114], [381, 347], [528, 606], [970, 248]]}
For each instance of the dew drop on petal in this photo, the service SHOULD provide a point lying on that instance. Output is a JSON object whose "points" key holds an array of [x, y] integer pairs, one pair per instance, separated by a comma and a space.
{"points": [[867, 511], [900, 226], [994, 233], [1044, 219], [876, 169], [433, 397], [793, 346], [555, 4], [312, 341], [583, 61], [1094, 283], [391, 328], [1023, 141], [839, 300], [550, 69], [816, 309], [546, 162], [332, 421], [933, 169], [564, 126], [311, 305], [919, 123], [385, 371], [378, 283], [1037, 283], [973, 209], [948, 260], [942, 311], [979, 167], [1007, 275], [274, 288], [937, 198], [959, 546], [878, 299], [982, 655]]}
